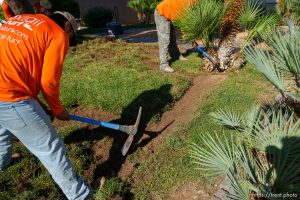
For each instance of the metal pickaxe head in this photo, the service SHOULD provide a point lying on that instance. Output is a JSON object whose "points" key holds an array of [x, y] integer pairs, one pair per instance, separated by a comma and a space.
{"points": [[131, 131]]}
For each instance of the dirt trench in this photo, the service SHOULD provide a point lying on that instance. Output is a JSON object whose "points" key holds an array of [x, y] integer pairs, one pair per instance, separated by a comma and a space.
{"points": [[175, 119]]}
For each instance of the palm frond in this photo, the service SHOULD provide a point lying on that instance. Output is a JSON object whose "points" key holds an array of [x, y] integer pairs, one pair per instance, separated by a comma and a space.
{"points": [[255, 169], [274, 126], [228, 118], [250, 118], [287, 51], [239, 189], [214, 155], [250, 14], [201, 21], [263, 62], [262, 28], [279, 174]]}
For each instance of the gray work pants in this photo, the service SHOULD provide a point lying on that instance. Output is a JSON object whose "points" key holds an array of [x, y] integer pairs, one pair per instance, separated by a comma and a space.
{"points": [[166, 39]]}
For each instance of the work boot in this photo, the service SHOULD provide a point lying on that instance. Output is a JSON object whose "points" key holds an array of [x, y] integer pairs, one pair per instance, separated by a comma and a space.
{"points": [[182, 58], [166, 68]]}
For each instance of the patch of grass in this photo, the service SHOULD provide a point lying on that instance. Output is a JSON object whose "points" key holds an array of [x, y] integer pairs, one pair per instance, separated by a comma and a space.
{"points": [[111, 188], [194, 64], [162, 172], [171, 166], [113, 76], [27, 179]]}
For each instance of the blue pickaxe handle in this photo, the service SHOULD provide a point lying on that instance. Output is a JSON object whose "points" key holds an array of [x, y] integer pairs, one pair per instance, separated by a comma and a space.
{"points": [[203, 52], [95, 122], [207, 55]]}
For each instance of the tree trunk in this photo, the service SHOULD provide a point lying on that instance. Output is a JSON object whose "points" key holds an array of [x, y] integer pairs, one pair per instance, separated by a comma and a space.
{"points": [[21, 6], [229, 28], [141, 17], [230, 25]]}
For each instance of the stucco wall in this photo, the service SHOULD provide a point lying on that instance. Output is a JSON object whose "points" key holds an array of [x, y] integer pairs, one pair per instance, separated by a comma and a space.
{"points": [[126, 15]]}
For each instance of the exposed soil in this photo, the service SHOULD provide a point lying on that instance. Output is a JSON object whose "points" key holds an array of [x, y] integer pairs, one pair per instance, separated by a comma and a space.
{"points": [[190, 190]]}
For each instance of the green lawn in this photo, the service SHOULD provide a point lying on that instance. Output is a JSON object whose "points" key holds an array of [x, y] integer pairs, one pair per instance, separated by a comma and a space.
{"points": [[116, 77], [110, 75]]}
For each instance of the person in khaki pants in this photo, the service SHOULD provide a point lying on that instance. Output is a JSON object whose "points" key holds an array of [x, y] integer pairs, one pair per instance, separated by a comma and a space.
{"points": [[166, 12]]}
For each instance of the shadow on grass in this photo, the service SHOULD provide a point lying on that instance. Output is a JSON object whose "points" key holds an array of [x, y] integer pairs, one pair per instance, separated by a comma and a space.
{"points": [[285, 162], [153, 102]]}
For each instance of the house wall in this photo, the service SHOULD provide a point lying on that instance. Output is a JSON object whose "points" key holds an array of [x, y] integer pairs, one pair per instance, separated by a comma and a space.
{"points": [[126, 15]]}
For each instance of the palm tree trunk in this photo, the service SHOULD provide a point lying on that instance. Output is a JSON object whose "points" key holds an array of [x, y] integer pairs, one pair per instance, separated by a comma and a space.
{"points": [[141, 17], [282, 6], [229, 28], [230, 25]]}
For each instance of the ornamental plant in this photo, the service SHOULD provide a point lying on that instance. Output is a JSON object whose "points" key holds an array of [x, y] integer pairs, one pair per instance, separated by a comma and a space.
{"points": [[144, 9]]}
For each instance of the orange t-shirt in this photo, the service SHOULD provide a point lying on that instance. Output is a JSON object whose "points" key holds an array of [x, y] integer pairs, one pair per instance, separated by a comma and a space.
{"points": [[32, 52], [8, 13], [170, 8]]}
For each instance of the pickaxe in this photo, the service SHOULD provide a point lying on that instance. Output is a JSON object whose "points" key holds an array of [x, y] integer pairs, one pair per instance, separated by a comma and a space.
{"points": [[131, 130], [210, 58]]}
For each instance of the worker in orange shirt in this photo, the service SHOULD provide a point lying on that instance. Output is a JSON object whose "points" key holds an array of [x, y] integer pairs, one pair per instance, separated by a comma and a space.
{"points": [[33, 49], [166, 12]]}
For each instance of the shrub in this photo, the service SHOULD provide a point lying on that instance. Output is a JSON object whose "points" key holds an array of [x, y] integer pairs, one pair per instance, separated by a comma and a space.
{"points": [[294, 7], [144, 9], [98, 17], [70, 6], [289, 8]]}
